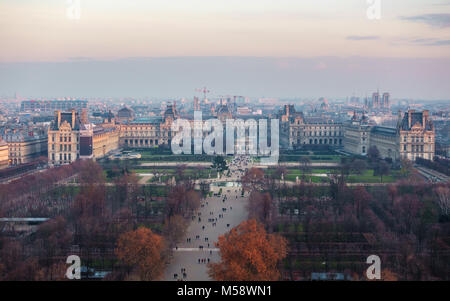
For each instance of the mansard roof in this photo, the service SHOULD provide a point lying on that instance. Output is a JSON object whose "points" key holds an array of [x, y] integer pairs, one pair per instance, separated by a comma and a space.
{"points": [[67, 116], [382, 130], [147, 120], [416, 118]]}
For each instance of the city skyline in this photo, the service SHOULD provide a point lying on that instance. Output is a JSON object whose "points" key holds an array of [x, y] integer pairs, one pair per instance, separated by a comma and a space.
{"points": [[225, 140]]}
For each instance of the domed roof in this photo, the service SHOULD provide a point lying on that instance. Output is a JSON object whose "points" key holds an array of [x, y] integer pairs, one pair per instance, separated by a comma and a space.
{"points": [[364, 119], [223, 109], [170, 111], [125, 112]]}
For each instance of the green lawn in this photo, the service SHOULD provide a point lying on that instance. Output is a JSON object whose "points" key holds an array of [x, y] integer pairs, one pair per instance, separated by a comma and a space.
{"points": [[366, 177], [175, 158], [170, 172], [313, 158]]}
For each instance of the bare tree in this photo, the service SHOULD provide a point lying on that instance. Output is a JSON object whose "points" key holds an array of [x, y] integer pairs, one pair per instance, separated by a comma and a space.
{"points": [[443, 193], [305, 165]]}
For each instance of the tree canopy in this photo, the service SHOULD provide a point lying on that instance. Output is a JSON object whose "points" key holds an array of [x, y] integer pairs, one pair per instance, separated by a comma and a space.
{"points": [[142, 250], [249, 253]]}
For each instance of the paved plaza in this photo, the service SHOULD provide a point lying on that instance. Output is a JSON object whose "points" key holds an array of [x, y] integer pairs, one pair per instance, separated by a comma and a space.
{"points": [[216, 216]]}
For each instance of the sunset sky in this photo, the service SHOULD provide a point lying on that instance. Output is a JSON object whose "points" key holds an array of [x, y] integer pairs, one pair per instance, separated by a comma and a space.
{"points": [[322, 31], [41, 30]]}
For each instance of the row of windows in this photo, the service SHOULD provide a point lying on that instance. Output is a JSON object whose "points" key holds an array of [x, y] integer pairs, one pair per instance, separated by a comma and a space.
{"points": [[62, 139], [414, 156], [319, 128], [310, 134], [140, 128], [16, 161], [322, 141], [61, 147], [157, 134], [67, 157], [414, 148], [416, 139], [141, 141]]}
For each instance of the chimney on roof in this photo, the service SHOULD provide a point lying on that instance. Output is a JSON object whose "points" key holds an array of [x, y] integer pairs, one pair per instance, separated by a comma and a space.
{"points": [[73, 118], [410, 112], [84, 117], [425, 118], [399, 119], [58, 117]]}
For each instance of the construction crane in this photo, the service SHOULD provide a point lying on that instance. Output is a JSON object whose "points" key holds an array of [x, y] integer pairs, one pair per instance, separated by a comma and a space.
{"points": [[203, 90]]}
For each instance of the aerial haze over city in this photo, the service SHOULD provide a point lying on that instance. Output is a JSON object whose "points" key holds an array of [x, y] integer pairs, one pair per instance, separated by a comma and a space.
{"points": [[225, 141]]}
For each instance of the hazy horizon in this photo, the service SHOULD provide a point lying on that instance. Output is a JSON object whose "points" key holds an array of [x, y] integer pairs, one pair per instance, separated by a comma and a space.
{"points": [[332, 77]]}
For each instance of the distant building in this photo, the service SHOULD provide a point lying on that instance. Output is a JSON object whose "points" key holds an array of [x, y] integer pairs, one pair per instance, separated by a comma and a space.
{"points": [[97, 141], [417, 135], [244, 111], [63, 138], [70, 138], [125, 114], [386, 141], [25, 146], [224, 113], [324, 105], [52, 105], [356, 135], [378, 101], [4, 154], [148, 132], [413, 137], [375, 100], [386, 102], [314, 131]]}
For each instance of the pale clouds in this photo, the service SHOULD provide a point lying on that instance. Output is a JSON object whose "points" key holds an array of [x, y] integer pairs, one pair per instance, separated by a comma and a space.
{"points": [[435, 20]]}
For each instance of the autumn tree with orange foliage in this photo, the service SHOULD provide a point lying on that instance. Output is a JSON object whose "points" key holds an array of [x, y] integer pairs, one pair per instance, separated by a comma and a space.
{"points": [[249, 253], [142, 251]]}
